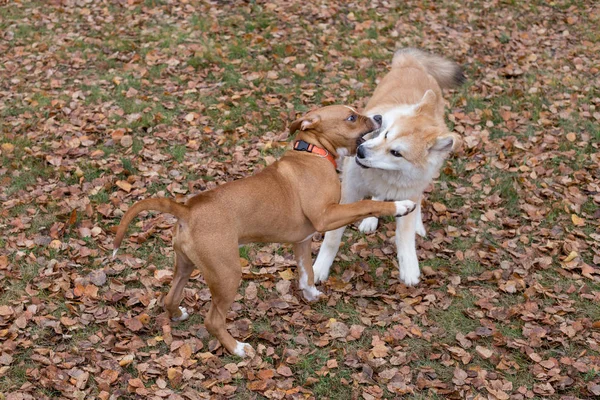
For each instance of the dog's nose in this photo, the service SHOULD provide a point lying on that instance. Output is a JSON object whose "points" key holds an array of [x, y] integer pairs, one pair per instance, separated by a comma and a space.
{"points": [[378, 119], [360, 152]]}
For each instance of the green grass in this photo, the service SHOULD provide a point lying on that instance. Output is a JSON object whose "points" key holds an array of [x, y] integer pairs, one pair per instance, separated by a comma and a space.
{"points": [[453, 320]]}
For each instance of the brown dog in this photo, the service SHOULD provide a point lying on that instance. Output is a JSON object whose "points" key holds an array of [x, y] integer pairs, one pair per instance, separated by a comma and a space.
{"points": [[287, 202]]}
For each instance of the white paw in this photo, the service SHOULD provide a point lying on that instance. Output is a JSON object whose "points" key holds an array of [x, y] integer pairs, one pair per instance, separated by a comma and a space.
{"points": [[368, 225], [409, 269], [421, 229], [404, 207], [243, 350], [320, 267], [311, 293], [321, 271], [321, 276], [410, 277], [184, 315]]}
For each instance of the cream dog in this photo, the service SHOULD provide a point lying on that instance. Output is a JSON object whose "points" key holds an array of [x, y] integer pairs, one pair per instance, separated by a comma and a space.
{"points": [[400, 161], [287, 202]]}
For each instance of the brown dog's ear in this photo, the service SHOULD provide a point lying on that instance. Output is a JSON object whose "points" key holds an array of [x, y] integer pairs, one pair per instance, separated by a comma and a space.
{"points": [[427, 103], [304, 123], [295, 125]]}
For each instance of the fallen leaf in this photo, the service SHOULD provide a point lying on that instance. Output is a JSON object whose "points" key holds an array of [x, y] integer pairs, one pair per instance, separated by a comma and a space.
{"points": [[126, 186], [338, 329], [284, 370], [288, 275], [133, 324], [484, 352], [577, 220]]}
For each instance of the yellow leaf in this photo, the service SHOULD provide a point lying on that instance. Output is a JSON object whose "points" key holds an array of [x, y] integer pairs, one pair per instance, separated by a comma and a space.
{"points": [[172, 373], [577, 220], [8, 147], [288, 275], [128, 359], [144, 318], [571, 257]]}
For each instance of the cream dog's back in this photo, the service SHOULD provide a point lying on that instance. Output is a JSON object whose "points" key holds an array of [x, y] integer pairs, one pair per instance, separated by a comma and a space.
{"points": [[414, 72]]}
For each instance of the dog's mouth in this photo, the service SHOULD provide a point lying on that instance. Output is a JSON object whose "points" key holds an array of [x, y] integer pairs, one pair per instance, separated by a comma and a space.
{"points": [[375, 132], [361, 139], [360, 164]]}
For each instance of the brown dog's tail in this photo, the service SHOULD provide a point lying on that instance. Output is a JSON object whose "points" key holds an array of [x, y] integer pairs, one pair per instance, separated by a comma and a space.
{"points": [[448, 74], [163, 205]]}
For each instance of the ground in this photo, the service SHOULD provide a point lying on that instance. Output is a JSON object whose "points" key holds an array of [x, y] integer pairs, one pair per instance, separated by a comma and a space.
{"points": [[103, 103]]}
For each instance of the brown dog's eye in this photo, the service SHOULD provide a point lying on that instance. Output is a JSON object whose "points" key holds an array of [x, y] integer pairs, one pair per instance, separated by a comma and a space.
{"points": [[351, 118], [395, 153]]}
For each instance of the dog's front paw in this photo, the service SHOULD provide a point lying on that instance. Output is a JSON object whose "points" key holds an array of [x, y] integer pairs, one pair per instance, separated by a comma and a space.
{"points": [[404, 207], [244, 350], [409, 269], [368, 225], [184, 315], [320, 270], [410, 277], [321, 276]]}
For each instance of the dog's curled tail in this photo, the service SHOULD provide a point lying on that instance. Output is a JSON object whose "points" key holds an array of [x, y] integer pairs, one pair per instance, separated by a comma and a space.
{"points": [[448, 74], [163, 205]]}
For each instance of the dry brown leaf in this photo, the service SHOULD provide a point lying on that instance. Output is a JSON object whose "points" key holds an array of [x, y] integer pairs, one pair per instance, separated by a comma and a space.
{"points": [[484, 352]]}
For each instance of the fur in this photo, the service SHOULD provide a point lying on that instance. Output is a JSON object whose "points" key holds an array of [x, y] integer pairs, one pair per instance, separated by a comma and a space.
{"points": [[402, 158]]}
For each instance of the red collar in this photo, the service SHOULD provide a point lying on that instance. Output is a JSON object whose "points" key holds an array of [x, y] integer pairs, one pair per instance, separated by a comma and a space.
{"points": [[301, 145]]}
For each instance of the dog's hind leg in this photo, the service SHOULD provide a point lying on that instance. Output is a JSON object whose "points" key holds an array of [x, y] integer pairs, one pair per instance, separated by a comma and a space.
{"points": [[302, 252], [181, 275], [223, 274]]}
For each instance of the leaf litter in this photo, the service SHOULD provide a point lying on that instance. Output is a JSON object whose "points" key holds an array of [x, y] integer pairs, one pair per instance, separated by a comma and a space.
{"points": [[106, 103]]}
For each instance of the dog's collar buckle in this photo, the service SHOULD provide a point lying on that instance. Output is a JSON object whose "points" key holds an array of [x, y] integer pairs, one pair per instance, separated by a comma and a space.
{"points": [[301, 145]]}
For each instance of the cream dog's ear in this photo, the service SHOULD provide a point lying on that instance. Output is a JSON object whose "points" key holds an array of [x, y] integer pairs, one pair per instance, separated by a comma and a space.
{"points": [[427, 103], [446, 143], [304, 123]]}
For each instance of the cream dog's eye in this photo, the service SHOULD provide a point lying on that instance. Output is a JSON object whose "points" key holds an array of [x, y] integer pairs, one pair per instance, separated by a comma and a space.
{"points": [[351, 118], [395, 153]]}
